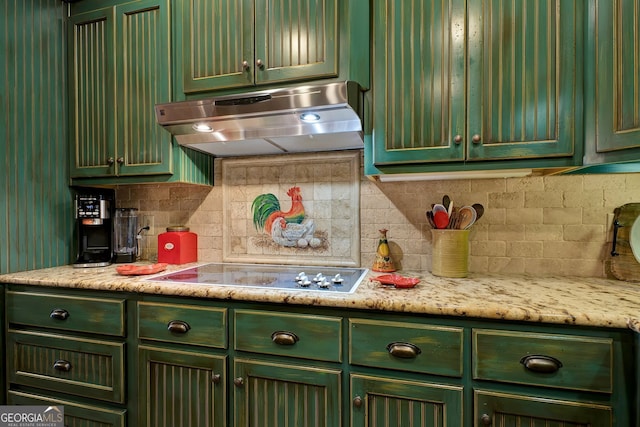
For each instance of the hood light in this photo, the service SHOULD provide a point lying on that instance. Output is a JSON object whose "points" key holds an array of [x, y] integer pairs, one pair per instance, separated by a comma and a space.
{"points": [[310, 117], [202, 127]]}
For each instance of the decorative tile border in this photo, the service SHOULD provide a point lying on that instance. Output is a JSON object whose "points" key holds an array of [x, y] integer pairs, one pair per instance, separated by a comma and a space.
{"points": [[330, 189]]}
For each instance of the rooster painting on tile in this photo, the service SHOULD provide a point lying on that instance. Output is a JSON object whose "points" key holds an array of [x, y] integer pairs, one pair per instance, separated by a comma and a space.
{"points": [[288, 229]]}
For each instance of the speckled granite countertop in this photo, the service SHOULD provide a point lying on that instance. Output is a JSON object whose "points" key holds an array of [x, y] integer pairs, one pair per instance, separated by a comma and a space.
{"points": [[557, 300]]}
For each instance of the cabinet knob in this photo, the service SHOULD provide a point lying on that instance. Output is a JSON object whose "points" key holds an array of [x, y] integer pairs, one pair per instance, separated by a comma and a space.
{"points": [[541, 364], [62, 365], [215, 378], [245, 65], [120, 160], [357, 401], [476, 138], [239, 381], [178, 326], [111, 160], [457, 139], [259, 63], [485, 419], [284, 338], [59, 314], [403, 350]]}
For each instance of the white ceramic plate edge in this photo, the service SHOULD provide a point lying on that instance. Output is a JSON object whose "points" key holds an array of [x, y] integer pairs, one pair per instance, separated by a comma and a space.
{"points": [[634, 238]]}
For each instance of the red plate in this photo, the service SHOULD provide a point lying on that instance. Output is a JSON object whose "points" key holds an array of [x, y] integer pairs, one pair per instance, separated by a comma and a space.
{"points": [[136, 270], [398, 281]]}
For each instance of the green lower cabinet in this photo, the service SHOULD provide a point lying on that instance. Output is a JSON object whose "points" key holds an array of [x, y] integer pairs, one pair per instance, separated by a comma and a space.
{"points": [[274, 394], [181, 388], [381, 401], [511, 410], [75, 414]]}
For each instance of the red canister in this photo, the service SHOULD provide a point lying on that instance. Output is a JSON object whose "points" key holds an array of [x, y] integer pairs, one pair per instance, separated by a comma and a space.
{"points": [[177, 246]]}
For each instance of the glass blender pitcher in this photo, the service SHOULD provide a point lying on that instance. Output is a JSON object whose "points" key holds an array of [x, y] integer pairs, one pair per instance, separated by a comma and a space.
{"points": [[125, 235]]}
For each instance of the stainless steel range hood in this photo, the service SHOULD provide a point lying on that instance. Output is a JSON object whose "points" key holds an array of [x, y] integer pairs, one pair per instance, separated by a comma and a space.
{"points": [[301, 119]]}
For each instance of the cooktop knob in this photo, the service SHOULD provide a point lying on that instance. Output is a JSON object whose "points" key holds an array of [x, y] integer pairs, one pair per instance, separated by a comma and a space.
{"points": [[337, 278]]}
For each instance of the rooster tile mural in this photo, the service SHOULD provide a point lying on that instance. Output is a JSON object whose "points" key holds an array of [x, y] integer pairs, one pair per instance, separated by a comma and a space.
{"points": [[295, 209]]}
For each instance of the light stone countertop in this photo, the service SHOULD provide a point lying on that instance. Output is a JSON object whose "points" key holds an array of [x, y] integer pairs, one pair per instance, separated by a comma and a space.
{"points": [[554, 300]]}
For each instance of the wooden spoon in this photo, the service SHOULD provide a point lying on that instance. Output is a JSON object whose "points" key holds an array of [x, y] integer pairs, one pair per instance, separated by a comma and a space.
{"points": [[467, 216]]}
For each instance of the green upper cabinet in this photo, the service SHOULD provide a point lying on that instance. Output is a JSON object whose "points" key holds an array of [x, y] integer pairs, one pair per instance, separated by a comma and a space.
{"points": [[236, 43], [119, 71], [119, 68], [613, 82], [459, 82]]}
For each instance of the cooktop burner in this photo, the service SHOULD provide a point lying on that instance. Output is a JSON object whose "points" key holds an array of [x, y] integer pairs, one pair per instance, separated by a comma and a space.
{"points": [[333, 279]]}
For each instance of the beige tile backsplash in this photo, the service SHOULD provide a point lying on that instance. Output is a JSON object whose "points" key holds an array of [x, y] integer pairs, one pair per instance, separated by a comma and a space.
{"points": [[541, 226]]}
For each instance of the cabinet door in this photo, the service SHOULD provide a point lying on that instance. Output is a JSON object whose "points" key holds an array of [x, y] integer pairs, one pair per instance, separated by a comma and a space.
{"points": [[181, 388], [296, 40], [381, 402], [284, 394], [617, 84], [143, 64], [501, 409], [92, 105], [418, 81], [75, 414], [215, 38], [524, 83]]}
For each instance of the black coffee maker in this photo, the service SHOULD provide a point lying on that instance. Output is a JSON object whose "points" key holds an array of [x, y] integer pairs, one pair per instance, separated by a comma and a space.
{"points": [[94, 227]]}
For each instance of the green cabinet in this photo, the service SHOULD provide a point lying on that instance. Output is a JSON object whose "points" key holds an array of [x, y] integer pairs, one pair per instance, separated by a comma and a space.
{"points": [[181, 387], [236, 43], [285, 393], [613, 87], [119, 68], [503, 409], [384, 401], [475, 85]]}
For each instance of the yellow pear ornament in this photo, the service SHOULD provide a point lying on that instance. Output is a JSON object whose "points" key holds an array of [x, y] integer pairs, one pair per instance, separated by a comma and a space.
{"points": [[383, 262]]}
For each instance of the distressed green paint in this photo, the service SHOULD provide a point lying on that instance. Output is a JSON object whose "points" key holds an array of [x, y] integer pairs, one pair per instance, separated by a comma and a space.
{"points": [[397, 402], [448, 70], [515, 410], [177, 388], [36, 218]]}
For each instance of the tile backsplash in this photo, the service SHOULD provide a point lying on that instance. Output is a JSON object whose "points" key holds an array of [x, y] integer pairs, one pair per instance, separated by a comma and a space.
{"points": [[540, 226]]}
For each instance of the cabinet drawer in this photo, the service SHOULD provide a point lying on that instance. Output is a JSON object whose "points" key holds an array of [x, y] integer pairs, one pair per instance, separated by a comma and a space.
{"points": [[75, 414], [562, 361], [289, 334], [69, 313], [77, 366], [406, 346], [183, 324]]}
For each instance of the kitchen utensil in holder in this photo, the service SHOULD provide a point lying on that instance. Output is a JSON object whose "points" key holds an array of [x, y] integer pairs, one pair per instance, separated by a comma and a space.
{"points": [[450, 253]]}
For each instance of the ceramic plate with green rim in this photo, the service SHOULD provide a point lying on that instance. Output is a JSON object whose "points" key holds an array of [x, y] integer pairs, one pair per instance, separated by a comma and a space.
{"points": [[634, 238]]}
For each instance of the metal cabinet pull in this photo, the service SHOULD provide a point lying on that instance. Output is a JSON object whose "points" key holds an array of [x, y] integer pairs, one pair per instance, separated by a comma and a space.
{"points": [[260, 64], [239, 382], [178, 326], [457, 139], [475, 138], [357, 401], [215, 378], [541, 364], [111, 160], [62, 365], [59, 314], [284, 338], [120, 160], [403, 350], [245, 65]]}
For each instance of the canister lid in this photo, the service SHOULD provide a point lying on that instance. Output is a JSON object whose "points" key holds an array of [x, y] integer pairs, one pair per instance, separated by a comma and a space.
{"points": [[177, 228]]}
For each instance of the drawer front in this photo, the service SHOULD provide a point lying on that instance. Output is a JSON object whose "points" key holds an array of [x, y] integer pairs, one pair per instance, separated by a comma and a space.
{"points": [[183, 324], [75, 414], [562, 361], [289, 334], [81, 367], [94, 315], [406, 346]]}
